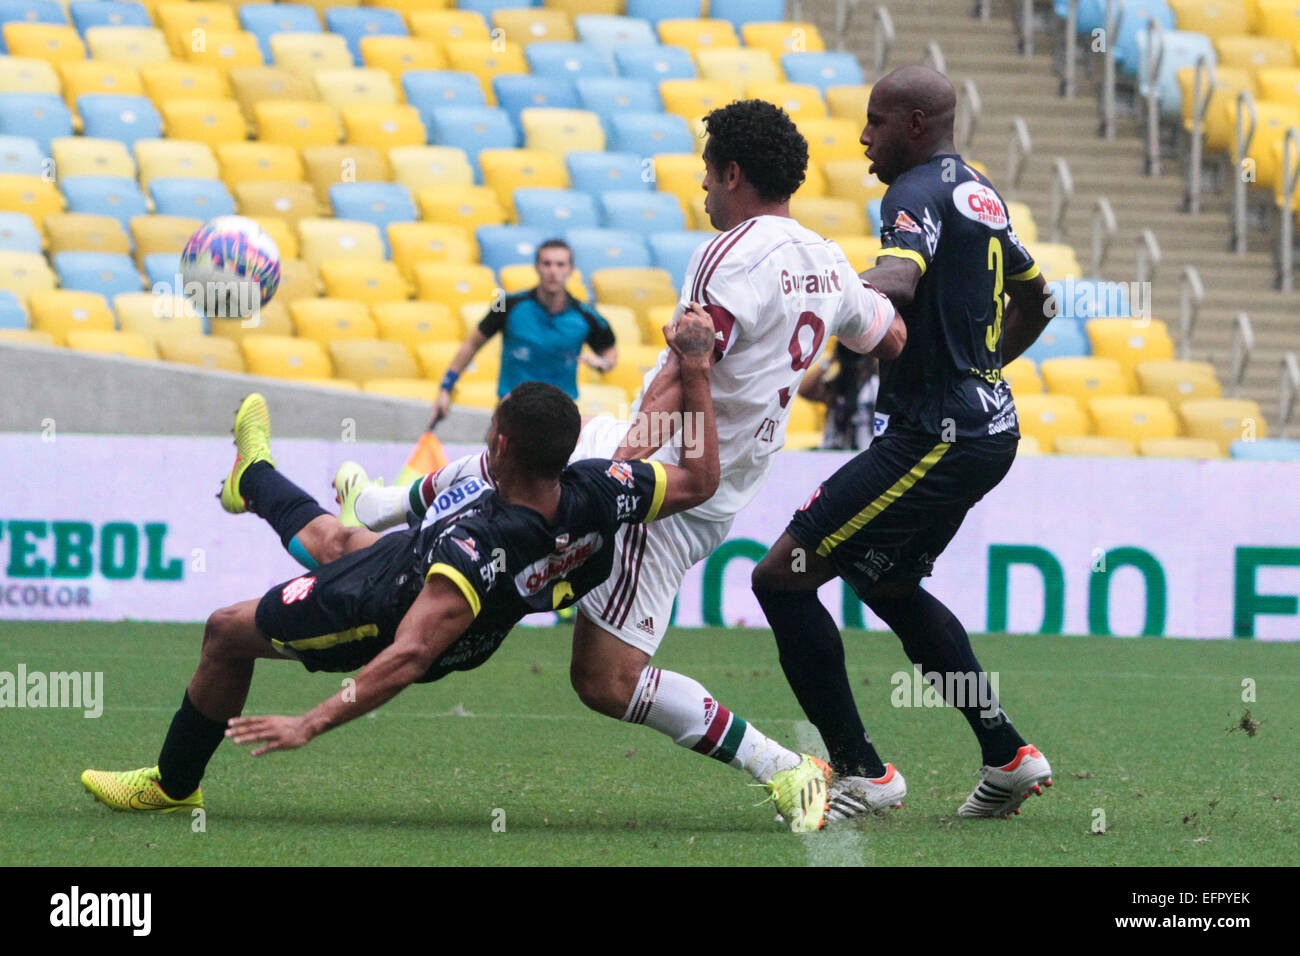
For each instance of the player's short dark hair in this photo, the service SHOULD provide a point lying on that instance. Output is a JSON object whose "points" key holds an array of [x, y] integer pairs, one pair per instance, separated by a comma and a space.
{"points": [[553, 244], [542, 424], [762, 139]]}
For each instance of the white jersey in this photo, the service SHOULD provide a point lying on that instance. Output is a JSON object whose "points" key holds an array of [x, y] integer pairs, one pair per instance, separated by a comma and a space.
{"points": [[776, 291]]}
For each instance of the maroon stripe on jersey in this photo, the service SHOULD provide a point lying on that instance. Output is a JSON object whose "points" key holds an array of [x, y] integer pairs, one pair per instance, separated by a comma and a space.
{"points": [[737, 234], [426, 490], [636, 575], [626, 582], [704, 264], [607, 614], [710, 259]]}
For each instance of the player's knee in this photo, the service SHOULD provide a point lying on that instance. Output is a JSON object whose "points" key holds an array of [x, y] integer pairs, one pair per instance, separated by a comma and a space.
{"points": [[604, 692], [333, 545], [768, 574], [220, 631]]}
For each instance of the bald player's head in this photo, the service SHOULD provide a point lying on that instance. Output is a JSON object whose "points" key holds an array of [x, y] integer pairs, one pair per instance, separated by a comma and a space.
{"points": [[909, 119]]}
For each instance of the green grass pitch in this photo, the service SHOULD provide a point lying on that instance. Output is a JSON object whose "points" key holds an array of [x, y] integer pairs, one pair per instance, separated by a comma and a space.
{"points": [[1145, 731]]}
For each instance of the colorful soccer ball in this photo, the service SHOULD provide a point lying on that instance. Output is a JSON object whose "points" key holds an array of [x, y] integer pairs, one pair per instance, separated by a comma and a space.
{"points": [[230, 268]]}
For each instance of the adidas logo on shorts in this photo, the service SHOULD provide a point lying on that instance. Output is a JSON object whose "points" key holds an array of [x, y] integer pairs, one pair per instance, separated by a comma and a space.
{"points": [[647, 625]]}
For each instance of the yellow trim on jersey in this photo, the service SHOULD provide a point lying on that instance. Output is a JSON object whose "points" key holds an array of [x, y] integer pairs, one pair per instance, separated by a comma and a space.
{"points": [[895, 491], [330, 640], [458, 579], [903, 254], [1030, 273], [661, 486]]}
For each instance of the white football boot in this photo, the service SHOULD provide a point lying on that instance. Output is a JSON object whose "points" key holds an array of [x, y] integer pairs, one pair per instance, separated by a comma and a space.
{"points": [[852, 797], [1002, 790]]}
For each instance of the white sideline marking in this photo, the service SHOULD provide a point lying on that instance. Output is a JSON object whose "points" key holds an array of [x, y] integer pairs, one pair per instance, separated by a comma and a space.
{"points": [[845, 847]]}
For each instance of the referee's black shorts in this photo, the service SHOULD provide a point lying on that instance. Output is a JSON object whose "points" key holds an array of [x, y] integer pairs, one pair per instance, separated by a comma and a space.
{"points": [[888, 513]]}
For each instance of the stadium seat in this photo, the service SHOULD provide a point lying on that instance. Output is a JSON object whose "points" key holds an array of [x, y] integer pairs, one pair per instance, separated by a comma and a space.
{"points": [[473, 129], [654, 63], [1132, 417], [648, 134], [305, 53], [508, 245], [251, 85], [1137, 15], [530, 25], [363, 360], [861, 251], [697, 35], [566, 61], [831, 139], [1084, 378], [224, 50], [848, 102], [60, 311], [454, 285], [183, 196], [639, 289], [1056, 260], [1266, 449], [105, 273], [596, 173], [108, 13], [484, 370], [814, 183], [692, 99], [799, 100], [517, 92], [681, 174], [421, 167], [94, 77], [180, 21], [1130, 341], [1047, 417], [32, 196], [830, 216], [135, 45], [1177, 381], [20, 156], [383, 126], [416, 242], [627, 331], [85, 232], [446, 27], [279, 356], [51, 42], [485, 60], [1211, 17], [849, 179], [23, 273], [1179, 448], [505, 170], [779, 37], [414, 323], [38, 116], [606, 32], [468, 206], [176, 81], [354, 23], [656, 10], [596, 249], [553, 210], [641, 212], [521, 278], [297, 123], [1253, 52], [322, 239], [203, 351], [332, 319], [265, 19], [326, 165], [605, 95], [378, 203], [204, 121], [271, 320], [1224, 420], [110, 195], [428, 90], [159, 158], [1022, 376], [12, 314], [1095, 446], [162, 269], [672, 251], [399, 55], [559, 131], [286, 200], [738, 68], [282, 233], [1278, 18], [822, 70], [153, 235], [19, 234], [20, 74], [124, 344], [340, 88], [699, 215], [1083, 299], [415, 389], [248, 162], [156, 317]]}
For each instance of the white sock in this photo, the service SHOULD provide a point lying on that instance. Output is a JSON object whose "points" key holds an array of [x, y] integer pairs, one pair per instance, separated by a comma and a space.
{"points": [[380, 508], [682, 708]]}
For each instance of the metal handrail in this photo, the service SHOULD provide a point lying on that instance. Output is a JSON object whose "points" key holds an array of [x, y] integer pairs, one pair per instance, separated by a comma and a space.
{"points": [[1104, 229], [1148, 256], [883, 38], [1019, 148], [1203, 84], [984, 10], [1026, 27], [1288, 390], [1114, 14], [1191, 294], [969, 110], [1286, 230], [1155, 54], [1062, 193], [1070, 70], [1243, 344], [1241, 140], [934, 57]]}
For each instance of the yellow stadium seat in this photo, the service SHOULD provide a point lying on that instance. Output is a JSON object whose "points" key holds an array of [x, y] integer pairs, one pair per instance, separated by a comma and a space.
{"points": [[162, 158], [559, 131], [80, 77], [176, 81], [59, 311], [468, 206], [1279, 18], [297, 123], [799, 100], [187, 24], [305, 53], [289, 201], [156, 317], [638, 289], [681, 174], [699, 216], [88, 156], [1130, 341], [397, 55], [476, 394], [1224, 420], [454, 284], [383, 126], [692, 99], [1211, 17], [322, 239], [53, 43], [245, 162], [1272, 121], [1028, 445], [522, 277], [738, 67], [364, 360], [418, 167], [652, 327], [298, 279], [123, 344], [505, 170], [859, 250], [603, 400], [280, 356], [22, 74], [367, 282], [136, 45], [832, 138], [1180, 448], [1176, 381], [416, 242], [850, 103], [780, 38], [628, 374], [1132, 417], [326, 165], [1095, 446], [322, 6], [203, 121], [352, 86], [284, 236], [329, 319], [485, 369], [1048, 417], [814, 183], [225, 50], [1228, 82], [1022, 375], [1084, 378], [205, 351], [416, 389], [486, 59], [413, 323], [1253, 52], [697, 35], [1279, 86], [624, 323], [273, 319], [1056, 260], [1022, 220], [849, 179], [532, 25], [251, 85], [830, 216], [85, 232], [447, 27], [34, 195], [153, 234], [27, 337]]}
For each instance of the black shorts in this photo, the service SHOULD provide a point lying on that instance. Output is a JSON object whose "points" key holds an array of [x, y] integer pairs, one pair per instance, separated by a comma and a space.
{"points": [[888, 513]]}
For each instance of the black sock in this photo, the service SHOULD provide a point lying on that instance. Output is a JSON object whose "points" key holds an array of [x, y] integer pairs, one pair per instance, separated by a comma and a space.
{"points": [[191, 741], [269, 495], [935, 641], [812, 656]]}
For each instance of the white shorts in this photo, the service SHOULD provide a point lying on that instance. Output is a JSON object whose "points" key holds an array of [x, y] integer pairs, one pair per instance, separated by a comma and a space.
{"points": [[636, 602]]}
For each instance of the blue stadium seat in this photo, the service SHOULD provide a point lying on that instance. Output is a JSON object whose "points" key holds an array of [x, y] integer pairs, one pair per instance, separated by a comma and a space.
{"points": [[642, 212], [29, 11], [123, 118], [161, 269], [115, 196], [20, 156], [566, 60], [428, 90], [40, 116], [648, 134], [108, 273], [1267, 449], [606, 32], [654, 63], [1132, 22], [656, 10], [1083, 299], [501, 246], [517, 92], [1092, 14], [672, 251], [555, 210], [595, 249], [873, 216], [604, 95], [1180, 48], [108, 13], [378, 203], [822, 70], [19, 234], [595, 173], [1062, 338], [197, 198], [353, 23], [264, 19], [740, 12], [12, 314], [472, 129], [485, 8]]}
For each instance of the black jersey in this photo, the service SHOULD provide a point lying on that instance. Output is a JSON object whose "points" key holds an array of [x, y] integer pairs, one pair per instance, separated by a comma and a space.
{"points": [[948, 219]]}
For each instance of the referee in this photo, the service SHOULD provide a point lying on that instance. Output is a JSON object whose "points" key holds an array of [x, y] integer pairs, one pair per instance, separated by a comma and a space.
{"points": [[946, 435]]}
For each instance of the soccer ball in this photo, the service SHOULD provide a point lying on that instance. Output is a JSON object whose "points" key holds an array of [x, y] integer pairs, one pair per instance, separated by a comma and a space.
{"points": [[230, 268]]}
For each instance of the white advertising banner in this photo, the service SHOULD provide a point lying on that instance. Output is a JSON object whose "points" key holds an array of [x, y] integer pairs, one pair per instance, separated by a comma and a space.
{"points": [[113, 528]]}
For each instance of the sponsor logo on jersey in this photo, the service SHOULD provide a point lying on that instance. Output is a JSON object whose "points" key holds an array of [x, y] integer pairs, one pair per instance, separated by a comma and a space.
{"points": [[627, 505], [297, 589], [561, 541], [811, 283], [905, 223], [621, 471], [456, 498], [467, 545], [710, 708], [535, 578], [880, 423], [811, 498], [976, 201], [932, 230]]}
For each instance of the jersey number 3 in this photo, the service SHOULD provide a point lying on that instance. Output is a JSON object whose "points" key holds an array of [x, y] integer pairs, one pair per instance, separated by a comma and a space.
{"points": [[994, 331]]}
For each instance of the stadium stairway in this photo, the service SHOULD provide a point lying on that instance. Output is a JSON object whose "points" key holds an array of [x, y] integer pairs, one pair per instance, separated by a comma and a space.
{"points": [[1010, 85]]}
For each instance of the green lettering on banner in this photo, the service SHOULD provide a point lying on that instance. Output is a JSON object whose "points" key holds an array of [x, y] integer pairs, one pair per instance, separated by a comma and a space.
{"points": [[1247, 604], [73, 557], [1099, 591], [715, 568], [154, 568], [109, 536], [22, 550], [1001, 557]]}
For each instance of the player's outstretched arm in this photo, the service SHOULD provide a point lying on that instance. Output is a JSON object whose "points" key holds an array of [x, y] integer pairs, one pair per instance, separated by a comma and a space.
{"points": [[1027, 314], [896, 277], [440, 614]]}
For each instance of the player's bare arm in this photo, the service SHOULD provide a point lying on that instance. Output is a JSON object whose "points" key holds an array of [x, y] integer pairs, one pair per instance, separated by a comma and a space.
{"points": [[1029, 310], [438, 617], [896, 277]]}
